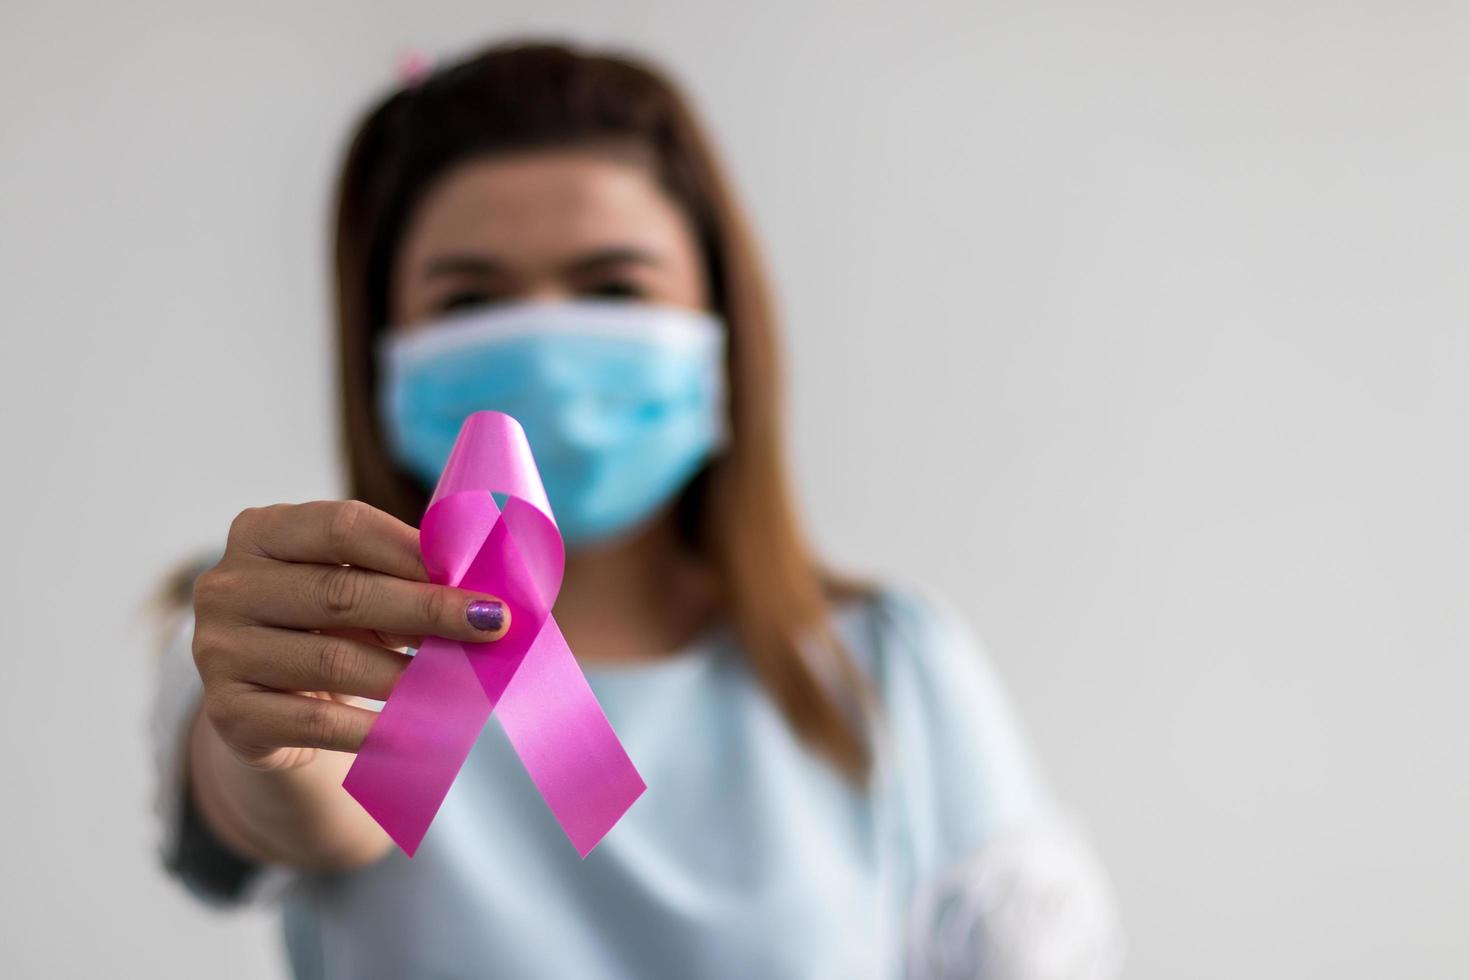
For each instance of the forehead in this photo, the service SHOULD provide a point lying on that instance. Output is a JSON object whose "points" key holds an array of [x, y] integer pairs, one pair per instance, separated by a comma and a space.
{"points": [[541, 204]]}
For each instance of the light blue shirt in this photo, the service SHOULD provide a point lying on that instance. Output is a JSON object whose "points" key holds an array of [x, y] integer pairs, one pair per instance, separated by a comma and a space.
{"points": [[748, 856]]}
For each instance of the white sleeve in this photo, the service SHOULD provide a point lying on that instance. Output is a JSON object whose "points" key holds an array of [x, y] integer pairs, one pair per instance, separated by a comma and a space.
{"points": [[176, 695], [188, 850], [1034, 903]]}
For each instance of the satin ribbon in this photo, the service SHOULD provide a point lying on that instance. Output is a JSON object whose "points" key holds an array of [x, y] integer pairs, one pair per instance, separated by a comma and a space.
{"points": [[528, 678]]}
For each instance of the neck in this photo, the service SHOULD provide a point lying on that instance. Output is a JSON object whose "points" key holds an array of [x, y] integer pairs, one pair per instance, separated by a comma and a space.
{"points": [[636, 598]]}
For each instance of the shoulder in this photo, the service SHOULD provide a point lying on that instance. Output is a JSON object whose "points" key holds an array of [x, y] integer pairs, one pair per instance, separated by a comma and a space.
{"points": [[910, 613], [951, 740], [909, 638], [1002, 881]]}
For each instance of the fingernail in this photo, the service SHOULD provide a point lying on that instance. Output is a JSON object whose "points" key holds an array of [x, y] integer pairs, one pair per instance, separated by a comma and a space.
{"points": [[486, 614]]}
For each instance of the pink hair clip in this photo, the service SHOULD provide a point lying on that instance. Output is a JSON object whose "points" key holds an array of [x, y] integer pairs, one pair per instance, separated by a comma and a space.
{"points": [[414, 65]]}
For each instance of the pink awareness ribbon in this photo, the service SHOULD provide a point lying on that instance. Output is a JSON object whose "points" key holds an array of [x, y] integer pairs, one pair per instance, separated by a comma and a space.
{"points": [[528, 678]]}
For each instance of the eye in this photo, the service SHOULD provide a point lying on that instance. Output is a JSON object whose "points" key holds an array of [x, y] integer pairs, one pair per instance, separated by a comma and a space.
{"points": [[466, 300], [616, 289]]}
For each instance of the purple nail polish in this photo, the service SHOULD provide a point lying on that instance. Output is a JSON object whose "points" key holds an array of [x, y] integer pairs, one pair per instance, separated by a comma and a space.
{"points": [[486, 614]]}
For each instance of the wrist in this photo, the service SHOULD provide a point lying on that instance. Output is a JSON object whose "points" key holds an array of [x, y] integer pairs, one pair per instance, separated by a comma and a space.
{"points": [[296, 815]]}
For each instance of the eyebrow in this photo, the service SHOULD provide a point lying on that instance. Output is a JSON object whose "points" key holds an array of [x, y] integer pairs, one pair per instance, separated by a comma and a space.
{"points": [[467, 263]]}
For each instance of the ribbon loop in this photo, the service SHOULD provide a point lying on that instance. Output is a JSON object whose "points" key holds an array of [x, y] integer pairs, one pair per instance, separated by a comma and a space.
{"points": [[529, 677]]}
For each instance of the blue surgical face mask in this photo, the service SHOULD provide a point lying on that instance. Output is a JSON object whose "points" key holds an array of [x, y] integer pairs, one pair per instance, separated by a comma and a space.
{"points": [[622, 402]]}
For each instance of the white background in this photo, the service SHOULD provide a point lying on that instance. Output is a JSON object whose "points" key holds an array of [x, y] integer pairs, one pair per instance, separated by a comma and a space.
{"points": [[1138, 330]]}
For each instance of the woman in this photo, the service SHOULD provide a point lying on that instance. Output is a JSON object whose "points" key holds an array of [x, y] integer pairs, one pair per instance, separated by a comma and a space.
{"points": [[837, 787]]}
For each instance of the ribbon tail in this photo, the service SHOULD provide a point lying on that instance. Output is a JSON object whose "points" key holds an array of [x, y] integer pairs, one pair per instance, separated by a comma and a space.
{"points": [[564, 740], [419, 742]]}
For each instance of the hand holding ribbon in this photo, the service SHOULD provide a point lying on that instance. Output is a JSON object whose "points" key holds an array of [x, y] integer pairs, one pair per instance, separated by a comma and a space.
{"points": [[529, 677]]}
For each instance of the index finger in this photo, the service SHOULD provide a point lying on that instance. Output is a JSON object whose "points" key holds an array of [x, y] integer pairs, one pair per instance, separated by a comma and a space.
{"points": [[339, 532]]}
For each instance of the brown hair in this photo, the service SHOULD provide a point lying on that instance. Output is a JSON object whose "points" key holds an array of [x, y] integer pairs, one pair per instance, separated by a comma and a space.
{"points": [[737, 513]]}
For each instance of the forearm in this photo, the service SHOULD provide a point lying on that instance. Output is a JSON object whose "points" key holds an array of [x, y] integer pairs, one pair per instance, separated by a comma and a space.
{"points": [[299, 817]]}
